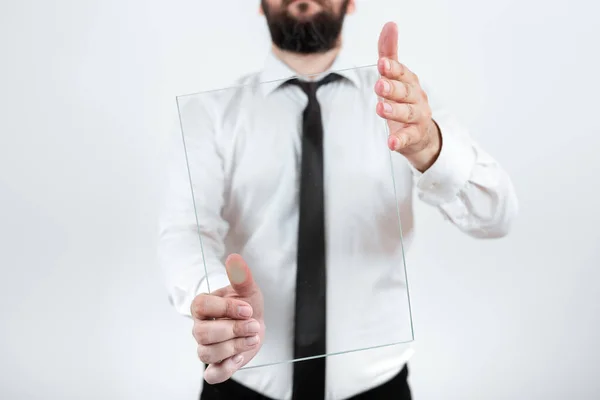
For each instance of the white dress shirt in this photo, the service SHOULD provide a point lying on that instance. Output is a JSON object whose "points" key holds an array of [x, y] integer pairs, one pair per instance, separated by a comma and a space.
{"points": [[243, 149]]}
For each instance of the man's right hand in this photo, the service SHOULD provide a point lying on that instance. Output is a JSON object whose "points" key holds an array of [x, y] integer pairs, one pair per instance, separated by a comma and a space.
{"points": [[228, 323]]}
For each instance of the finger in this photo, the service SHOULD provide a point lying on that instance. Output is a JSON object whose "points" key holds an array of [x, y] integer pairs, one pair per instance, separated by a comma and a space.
{"points": [[396, 91], [240, 276], [221, 330], [397, 71], [388, 41], [206, 306], [220, 372], [400, 140], [217, 352], [404, 137], [400, 112]]}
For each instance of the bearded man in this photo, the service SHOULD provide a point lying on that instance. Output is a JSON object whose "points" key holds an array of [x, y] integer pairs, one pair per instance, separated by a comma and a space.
{"points": [[299, 221]]}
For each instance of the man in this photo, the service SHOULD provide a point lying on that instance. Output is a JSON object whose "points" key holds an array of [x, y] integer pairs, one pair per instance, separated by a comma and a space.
{"points": [[256, 184]]}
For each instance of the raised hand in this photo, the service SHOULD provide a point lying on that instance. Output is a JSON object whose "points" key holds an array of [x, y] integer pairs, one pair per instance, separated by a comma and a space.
{"points": [[228, 323], [404, 104]]}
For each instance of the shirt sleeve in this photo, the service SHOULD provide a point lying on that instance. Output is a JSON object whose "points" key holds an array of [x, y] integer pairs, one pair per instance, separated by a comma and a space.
{"points": [[191, 229], [467, 184]]}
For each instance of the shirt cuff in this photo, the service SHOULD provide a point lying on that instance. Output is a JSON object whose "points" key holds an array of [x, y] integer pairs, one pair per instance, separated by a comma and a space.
{"points": [[451, 171]]}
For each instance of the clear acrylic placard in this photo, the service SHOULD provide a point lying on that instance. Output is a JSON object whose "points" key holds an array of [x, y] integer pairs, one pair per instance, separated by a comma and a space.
{"points": [[243, 152]]}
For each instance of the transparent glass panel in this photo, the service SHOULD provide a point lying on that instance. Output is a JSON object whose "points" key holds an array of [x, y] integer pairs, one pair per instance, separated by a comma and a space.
{"points": [[244, 151]]}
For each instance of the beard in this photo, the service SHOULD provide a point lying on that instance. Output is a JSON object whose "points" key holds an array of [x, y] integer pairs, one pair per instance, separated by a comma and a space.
{"points": [[317, 34]]}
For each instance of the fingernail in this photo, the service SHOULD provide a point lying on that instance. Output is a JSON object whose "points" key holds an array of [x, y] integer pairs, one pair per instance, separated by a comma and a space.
{"points": [[253, 327], [237, 359], [387, 108], [387, 65], [245, 311], [393, 143], [251, 341], [237, 273], [386, 87]]}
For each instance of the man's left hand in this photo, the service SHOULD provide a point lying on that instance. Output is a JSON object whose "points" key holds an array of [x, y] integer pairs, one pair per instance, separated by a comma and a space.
{"points": [[404, 104]]}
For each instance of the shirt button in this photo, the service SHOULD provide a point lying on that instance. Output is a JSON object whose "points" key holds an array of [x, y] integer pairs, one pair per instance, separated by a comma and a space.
{"points": [[433, 185]]}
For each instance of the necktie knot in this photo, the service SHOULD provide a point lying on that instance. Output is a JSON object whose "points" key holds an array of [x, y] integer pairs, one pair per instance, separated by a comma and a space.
{"points": [[311, 87]]}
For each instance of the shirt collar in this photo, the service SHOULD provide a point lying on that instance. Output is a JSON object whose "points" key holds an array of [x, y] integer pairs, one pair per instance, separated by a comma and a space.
{"points": [[275, 70]]}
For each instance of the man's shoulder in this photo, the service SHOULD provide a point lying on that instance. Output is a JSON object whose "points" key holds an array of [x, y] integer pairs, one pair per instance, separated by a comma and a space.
{"points": [[242, 87], [216, 103], [230, 91], [247, 79]]}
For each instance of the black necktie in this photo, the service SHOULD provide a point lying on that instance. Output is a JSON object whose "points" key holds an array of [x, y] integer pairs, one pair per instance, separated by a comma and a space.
{"points": [[310, 321]]}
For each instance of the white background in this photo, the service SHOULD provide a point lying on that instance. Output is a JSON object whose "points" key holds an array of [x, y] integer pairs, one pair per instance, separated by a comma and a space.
{"points": [[87, 92]]}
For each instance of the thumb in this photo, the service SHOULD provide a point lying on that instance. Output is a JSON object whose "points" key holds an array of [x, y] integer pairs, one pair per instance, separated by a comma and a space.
{"points": [[388, 41], [240, 276]]}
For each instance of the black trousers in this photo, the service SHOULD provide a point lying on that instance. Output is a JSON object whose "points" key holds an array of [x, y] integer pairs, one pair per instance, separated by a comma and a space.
{"points": [[395, 389]]}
